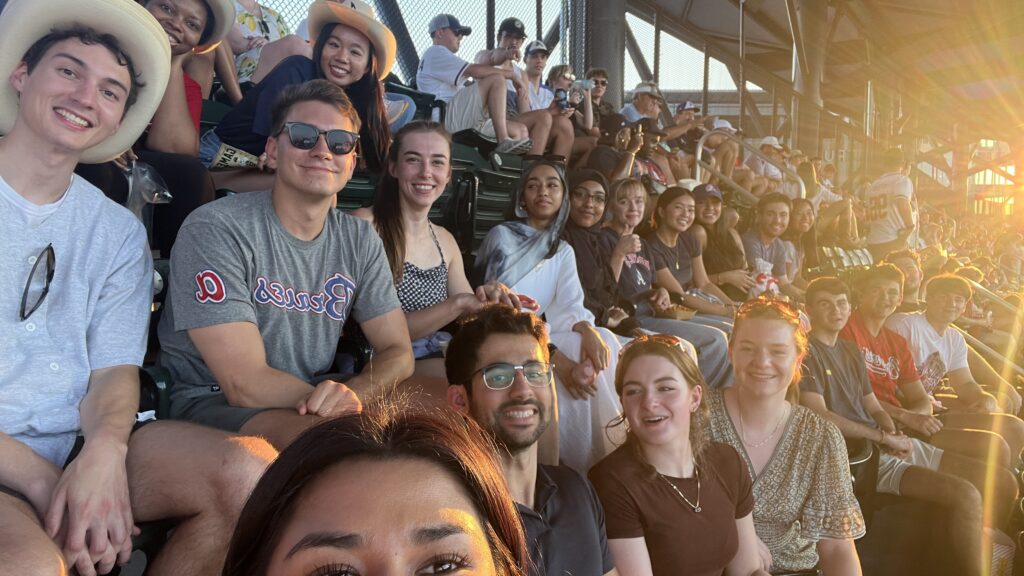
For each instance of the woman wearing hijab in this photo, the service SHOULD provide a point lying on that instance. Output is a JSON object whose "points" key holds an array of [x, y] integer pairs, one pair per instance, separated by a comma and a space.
{"points": [[528, 255]]}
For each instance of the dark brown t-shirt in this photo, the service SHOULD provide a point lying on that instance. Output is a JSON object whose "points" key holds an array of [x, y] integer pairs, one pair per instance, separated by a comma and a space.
{"points": [[679, 540]]}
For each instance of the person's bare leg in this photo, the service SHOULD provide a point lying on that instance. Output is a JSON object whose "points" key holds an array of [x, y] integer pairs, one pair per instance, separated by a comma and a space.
{"points": [[516, 130], [494, 96], [964, 504], [25, 547], [200, 476], [981, 445], [725, 154], [582, 146], [997, 485], [678, 167], [538, 122], [561, 136], [279, 426], [272, 54], [242, 180]]}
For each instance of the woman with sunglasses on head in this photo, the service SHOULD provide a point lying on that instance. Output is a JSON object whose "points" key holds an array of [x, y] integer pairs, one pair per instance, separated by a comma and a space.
{"points": [[674, 502], [347, 497], [527, 254], [805, 514], [642, 280], [352, 50], [425, 260], [714, 228]]}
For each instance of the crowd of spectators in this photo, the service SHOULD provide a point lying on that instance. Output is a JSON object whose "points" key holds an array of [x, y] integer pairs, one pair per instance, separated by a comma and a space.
{"points": [[636, 374]]}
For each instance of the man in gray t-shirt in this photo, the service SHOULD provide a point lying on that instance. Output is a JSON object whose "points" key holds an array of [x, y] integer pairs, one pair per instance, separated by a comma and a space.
{"points": [[835, 385], [81, 80], [262, 284], [763, 242]]}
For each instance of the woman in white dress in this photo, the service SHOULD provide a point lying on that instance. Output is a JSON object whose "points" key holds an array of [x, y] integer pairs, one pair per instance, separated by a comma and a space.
{"points": [[526, 254]]}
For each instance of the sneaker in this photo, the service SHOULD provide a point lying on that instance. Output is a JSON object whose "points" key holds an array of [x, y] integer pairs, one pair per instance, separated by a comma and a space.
{"points": [[510, 146]]}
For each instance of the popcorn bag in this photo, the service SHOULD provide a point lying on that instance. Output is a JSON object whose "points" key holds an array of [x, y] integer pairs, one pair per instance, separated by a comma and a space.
{"points": [[766, 283]]}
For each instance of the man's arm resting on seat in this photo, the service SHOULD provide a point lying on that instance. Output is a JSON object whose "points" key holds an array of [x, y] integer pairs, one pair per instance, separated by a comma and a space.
{"points": [[235, 354], [27, 473], [970, 392], [392, 360], [916, 412], [93, 490]]}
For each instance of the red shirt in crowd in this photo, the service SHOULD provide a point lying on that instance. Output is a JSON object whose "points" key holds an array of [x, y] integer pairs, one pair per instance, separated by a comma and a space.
{"points": [[889, 361]]}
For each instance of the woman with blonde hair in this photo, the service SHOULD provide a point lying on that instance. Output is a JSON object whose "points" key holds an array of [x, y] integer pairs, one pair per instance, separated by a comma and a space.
{"points": [[805, 513]]}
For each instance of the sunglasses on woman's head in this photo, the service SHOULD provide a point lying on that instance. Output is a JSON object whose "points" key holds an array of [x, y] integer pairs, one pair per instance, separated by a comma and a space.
{"points": [[665, 339], [304, 137], [785, 310]]}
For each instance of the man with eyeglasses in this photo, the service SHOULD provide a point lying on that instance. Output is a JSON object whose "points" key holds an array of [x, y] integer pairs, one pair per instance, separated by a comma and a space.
{"points": [[262, 284], [81, 81], [498, 367]]}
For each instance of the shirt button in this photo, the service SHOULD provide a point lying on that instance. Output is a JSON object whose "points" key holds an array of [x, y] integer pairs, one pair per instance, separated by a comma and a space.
{"points": [[31, 259], [30, 327], [54, 366]]}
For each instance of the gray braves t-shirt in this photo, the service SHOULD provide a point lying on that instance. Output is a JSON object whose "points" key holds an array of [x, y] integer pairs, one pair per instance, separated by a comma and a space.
{"points": [[233, 261]]}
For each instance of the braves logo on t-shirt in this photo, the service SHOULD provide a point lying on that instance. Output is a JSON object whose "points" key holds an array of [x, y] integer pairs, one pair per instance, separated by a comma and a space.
{"points": [[932, 371], [333, 301], [211, 287]]}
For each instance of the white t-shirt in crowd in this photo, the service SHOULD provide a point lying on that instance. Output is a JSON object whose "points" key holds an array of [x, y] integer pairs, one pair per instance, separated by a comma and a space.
{"points": [[825, 195], [935, 355], [441, 72], [881, 214], [762, 168]]}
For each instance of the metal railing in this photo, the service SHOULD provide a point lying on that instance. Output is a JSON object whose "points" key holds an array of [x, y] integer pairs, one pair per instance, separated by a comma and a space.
{"points": [[699, 164], [976, 343]]}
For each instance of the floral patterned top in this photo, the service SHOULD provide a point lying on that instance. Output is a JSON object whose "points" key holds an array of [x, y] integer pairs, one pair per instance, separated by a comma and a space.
{"points": [[271, 28], [804, 493]]}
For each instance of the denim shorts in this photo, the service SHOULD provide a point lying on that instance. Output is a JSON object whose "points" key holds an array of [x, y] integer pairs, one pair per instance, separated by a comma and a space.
{"points": [[209, 144]]}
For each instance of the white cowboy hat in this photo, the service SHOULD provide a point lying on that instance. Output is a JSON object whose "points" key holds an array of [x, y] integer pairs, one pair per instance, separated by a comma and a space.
{"points": [[23, 22], [359, 15], [223, 19]]}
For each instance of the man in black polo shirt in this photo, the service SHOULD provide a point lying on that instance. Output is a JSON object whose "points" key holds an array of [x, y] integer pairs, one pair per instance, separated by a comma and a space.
{"points": [[498, 366]]}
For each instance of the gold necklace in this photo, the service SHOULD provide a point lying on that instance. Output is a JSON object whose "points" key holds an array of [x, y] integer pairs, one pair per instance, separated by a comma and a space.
{"points": [[743, 434], [695, 506]]}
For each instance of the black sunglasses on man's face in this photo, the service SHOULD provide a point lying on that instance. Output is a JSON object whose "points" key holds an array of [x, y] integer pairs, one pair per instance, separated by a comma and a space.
{"points": [[305, 136]]}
